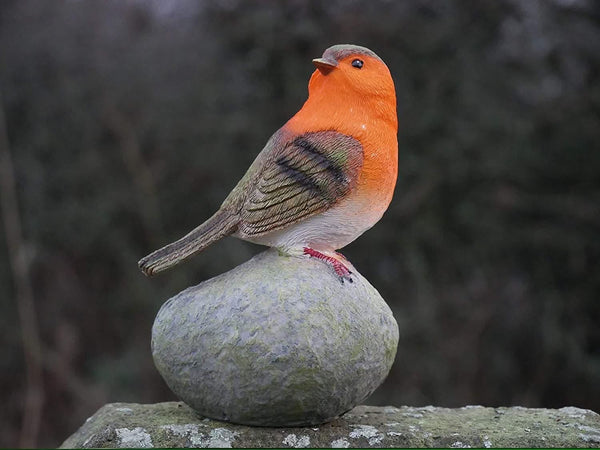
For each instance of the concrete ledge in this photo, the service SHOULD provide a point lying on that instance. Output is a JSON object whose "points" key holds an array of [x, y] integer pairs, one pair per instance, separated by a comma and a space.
{"points": [[173, 424]]}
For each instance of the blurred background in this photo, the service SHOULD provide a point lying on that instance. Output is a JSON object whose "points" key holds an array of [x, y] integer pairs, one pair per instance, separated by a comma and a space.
{"points": [[124, 124]]}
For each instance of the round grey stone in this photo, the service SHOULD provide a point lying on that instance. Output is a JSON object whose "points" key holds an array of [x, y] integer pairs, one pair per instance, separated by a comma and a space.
{"points": [[277, 341]]}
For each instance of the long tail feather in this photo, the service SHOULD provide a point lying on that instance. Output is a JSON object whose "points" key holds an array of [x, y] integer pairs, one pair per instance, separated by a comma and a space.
{"points": [[221, 224]]}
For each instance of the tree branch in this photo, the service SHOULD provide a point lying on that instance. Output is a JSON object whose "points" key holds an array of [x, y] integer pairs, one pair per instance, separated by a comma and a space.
{"points": [[34, 394]]}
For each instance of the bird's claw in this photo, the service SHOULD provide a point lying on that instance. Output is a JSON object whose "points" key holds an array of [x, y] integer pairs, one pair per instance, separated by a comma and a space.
{"points": [[347, 277], [340, 269]]}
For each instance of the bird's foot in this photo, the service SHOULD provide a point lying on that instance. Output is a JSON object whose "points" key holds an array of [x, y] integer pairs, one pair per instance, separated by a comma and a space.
{"points": [[340, 269]]}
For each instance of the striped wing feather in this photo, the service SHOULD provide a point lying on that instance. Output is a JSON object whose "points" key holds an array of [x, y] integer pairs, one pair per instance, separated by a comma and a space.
{"points": [[307, 175]]}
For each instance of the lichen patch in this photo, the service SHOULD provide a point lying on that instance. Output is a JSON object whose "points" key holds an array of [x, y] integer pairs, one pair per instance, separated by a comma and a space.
{"points": [[125, 410], [134, 438], [414, 415], [217, 438], [590, 438], [486, 442], [575, 413], [291, 440], [372, 434], [185, 430], [340, 443]]}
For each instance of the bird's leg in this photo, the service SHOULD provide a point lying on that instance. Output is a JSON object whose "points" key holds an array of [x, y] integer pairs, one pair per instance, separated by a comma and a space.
{"points": [[340, 269]]}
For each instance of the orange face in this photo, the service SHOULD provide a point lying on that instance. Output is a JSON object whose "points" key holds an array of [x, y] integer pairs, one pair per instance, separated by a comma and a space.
{"points": [[359, 77], [353, 93]]}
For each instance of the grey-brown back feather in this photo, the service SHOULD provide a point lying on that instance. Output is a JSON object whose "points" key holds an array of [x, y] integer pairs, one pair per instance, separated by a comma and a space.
{"points": [[307, 175], [221, 224], [293, 178]]}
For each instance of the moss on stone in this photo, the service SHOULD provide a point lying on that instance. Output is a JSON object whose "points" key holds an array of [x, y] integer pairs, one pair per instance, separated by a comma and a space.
{"points": [[173, 424]]}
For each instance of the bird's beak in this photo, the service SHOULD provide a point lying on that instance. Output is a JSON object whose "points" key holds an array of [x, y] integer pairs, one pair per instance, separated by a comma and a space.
{"points": [[325, 65]]}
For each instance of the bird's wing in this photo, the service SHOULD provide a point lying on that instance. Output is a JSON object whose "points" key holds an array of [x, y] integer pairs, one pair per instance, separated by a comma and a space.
{"points": [[303, 176]]}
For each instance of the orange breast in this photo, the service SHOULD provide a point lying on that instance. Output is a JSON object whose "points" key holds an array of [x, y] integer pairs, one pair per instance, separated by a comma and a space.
{"points": [[378, 135]]}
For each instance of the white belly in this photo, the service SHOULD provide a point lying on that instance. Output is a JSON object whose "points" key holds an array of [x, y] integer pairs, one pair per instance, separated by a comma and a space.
{"points": [[328, 231]]}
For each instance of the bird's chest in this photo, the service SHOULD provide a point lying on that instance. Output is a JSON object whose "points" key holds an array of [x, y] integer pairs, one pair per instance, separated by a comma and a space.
{"points": [[377, 178]]}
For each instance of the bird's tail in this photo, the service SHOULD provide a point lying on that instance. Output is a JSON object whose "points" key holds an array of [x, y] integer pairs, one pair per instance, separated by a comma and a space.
{"points": [[221, 224]]}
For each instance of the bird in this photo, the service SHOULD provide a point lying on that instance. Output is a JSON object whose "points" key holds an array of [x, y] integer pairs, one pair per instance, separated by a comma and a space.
{"points": [[323, 179]]}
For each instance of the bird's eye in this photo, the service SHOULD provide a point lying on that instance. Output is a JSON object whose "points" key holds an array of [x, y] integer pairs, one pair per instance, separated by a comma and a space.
{"points": [[358, 63]]}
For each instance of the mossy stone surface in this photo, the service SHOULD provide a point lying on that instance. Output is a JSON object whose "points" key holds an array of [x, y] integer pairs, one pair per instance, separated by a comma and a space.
{"points": [[173, 424], [277, 341]]}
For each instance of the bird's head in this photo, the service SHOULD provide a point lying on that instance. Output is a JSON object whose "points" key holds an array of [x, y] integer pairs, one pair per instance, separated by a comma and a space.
{"points": [[351, 69]]}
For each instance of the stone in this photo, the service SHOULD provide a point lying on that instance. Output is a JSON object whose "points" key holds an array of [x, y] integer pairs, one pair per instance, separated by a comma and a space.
{"points": [[277, 341], [173, 424]]}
